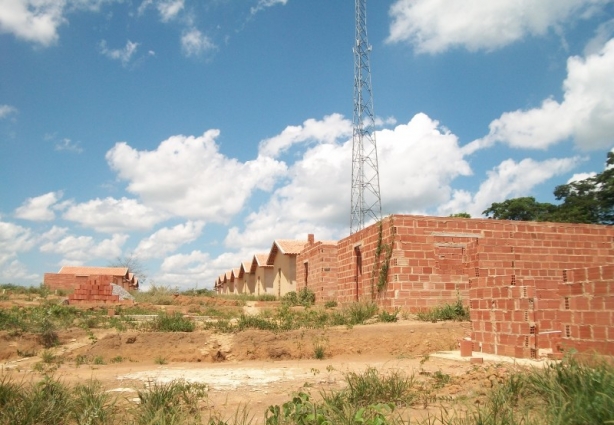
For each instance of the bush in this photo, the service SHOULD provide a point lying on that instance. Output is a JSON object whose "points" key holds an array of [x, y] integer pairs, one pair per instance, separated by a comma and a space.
{"points": [[172, 323], [356, 313], [330, 304], [457, 312], [304, 297], [384, 316]]}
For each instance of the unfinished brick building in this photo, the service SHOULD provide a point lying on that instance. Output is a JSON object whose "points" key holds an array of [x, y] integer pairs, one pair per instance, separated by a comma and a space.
{"points": [[520, 278], [316, 269], [71, 277]]}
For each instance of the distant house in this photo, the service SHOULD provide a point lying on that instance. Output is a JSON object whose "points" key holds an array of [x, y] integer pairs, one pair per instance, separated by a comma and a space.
{"points": [[263, 274], [249, 279], [282, 258], [70, 277], [238, 281]]}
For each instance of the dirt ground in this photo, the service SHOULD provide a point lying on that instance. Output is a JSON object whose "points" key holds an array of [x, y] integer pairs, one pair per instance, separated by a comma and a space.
{"points": [[254, 368]]}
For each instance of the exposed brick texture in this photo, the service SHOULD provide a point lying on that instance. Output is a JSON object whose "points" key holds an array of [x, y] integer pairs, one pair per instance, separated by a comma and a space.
{"points": [[69, 282], [586, 310], [316, 269], [96, 290], [509, 273]]}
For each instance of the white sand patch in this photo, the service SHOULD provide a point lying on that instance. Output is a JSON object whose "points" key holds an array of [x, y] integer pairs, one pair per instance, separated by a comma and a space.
{"points": [[218, 378]]}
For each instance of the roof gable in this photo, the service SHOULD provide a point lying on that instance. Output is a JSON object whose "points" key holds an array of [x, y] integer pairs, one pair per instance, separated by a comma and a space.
{"points": [[92, 271], [285, 247]]}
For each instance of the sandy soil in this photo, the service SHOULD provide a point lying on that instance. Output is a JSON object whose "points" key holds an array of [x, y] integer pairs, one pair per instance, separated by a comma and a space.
{"points": [[253, 368]]}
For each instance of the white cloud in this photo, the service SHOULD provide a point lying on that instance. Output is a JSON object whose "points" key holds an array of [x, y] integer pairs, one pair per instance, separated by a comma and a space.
{"points": [[6, 110], [14, 239], [195, 43], [37, 21], [434, 26], [328, 130], [113, 215], [77, 250], [195, 269], [16, 272], [168, 239], [68, 145], [263, 4], [39, 208], [580, 176], [586, 113], [32, 20], [123, 55], [603, 33], [168, 9], [189, 177], [509, 179], [417, 162]]}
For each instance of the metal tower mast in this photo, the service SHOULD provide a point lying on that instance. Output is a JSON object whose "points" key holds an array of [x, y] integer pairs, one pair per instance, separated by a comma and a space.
{"points": [[366, 199]]}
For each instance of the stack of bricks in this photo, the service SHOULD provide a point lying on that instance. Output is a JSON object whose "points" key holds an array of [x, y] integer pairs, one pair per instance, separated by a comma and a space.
{"points": [[503, 316], [97, 290], [587, 312]]}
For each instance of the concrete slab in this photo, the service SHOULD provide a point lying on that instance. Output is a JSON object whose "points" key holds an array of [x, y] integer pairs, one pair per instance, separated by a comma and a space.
{"points": [[455, 355]]}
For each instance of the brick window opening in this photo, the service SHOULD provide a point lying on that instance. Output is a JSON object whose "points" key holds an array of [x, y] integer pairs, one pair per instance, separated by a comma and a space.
{"points": [[566, 303], [532, 330], [567, 331], [513, 282]]}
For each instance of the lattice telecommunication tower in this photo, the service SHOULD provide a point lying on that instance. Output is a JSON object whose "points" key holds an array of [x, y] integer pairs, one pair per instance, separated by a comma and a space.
{"points": [[366, 199]]}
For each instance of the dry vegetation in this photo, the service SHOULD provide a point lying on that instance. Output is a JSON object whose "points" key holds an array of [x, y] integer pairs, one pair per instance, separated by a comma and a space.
{"points": [[237, 360]]}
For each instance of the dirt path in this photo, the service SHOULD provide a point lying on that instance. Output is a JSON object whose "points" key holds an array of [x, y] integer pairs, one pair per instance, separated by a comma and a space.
{"points": [[253, 368]]}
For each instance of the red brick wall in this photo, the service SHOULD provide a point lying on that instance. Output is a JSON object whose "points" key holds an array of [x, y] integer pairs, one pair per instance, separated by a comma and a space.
{"points": [[66, 282], [586, 315], [316, 268], [97, 290], [70, 281], [510, 273]]}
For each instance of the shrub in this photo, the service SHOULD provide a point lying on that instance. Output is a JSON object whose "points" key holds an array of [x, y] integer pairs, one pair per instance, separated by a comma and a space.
{"points": [[172, 323], [304, 297], [457, 312], [384, 316], [330, 304], [356, 313]]}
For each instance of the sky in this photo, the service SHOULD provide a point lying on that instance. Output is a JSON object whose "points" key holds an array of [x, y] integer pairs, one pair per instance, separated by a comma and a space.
{"points": [[192, 133]]}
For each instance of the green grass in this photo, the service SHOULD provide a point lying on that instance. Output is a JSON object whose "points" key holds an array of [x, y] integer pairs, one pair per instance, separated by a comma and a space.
{"points": [[304, 297], [386, 317], [172, 323], [160, 360], [457, 312], [566, 393]]}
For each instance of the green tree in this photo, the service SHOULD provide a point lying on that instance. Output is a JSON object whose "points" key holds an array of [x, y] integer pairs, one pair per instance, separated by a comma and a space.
{"points": [[522, 209], [461, 215], [584, 201], [590, 200]]}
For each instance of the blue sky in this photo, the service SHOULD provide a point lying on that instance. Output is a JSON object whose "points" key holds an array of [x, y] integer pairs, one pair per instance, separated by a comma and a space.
{"points": [[194, 133]]}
